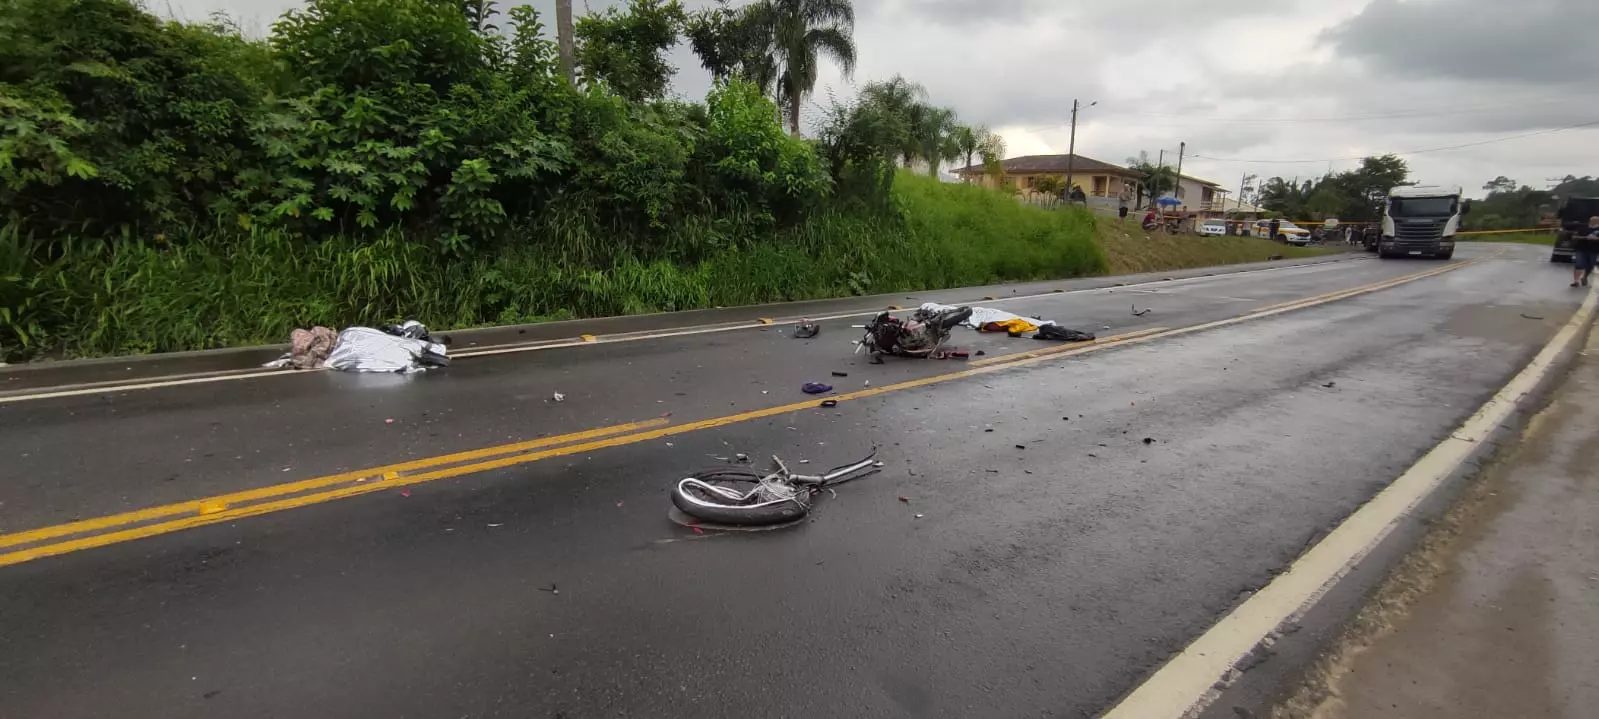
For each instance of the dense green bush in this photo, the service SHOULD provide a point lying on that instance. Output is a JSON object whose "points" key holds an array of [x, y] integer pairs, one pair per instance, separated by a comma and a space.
{"points": [[230, 287]]}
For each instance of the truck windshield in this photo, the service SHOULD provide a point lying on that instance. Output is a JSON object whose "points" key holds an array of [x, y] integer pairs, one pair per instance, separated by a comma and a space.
{"points": [[1421, 207]]}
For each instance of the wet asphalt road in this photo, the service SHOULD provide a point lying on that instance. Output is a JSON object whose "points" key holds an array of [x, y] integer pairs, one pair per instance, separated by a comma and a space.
{"points": [[1060, 558]]}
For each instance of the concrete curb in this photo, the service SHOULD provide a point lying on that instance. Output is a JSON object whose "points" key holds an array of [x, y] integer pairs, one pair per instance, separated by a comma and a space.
{"points": [[111, 371], [1274, 673]]}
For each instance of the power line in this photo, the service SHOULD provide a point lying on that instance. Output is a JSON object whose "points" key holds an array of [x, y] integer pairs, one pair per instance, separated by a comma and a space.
{"points": [[1407, 152], [1404, 114]]}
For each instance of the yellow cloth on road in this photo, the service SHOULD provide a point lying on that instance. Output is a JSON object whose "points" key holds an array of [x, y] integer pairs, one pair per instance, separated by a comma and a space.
{"points": [[1013, 325]]}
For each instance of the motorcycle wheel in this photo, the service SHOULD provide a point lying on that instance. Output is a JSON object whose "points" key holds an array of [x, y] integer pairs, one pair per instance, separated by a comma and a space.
{"points": [[720, 510]]}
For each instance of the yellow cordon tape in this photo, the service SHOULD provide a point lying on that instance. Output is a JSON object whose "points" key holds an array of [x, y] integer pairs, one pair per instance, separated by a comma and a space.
{"points": [[1549, 230]]}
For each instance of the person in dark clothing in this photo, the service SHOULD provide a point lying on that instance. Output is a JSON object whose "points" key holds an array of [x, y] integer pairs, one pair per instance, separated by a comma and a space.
{"points": [[1585, 254], [1275, 225]]}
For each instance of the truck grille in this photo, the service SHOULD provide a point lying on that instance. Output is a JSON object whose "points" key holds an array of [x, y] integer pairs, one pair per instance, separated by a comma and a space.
{"points": [[1419, 231]]}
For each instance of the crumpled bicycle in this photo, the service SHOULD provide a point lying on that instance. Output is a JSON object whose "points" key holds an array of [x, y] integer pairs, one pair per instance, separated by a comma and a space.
{"points": [[742, 497]]}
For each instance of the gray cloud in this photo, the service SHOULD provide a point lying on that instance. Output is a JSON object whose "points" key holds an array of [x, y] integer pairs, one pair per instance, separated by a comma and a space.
{"points": [[1545, 42]]}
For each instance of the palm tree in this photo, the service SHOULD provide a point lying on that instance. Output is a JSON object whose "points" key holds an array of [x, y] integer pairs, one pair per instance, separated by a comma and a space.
{"points": [[965, 139], [978, 142], [803, 31], [935, 141], [902, 101], [479, 14]]}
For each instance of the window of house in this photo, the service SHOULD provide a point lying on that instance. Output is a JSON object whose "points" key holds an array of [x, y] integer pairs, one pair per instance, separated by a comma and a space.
{"points": [[1100, 186], [1027, 182]]}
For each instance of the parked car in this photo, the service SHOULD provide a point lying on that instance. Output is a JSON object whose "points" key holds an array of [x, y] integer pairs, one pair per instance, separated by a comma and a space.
{"points": [[1211, 228], [1287, 232]]}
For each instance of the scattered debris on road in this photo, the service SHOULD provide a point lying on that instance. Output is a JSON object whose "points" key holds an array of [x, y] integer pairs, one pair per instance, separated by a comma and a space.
{"points": [[816, 388], [806, 329], [836, 373], [1330, 385], [1531, 317], [558, 397], [1140, 313], [829, 403], [1149, 440]]}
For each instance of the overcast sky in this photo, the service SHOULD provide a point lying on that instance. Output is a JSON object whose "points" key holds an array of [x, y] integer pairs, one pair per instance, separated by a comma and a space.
{"points": [[1311, 81]]}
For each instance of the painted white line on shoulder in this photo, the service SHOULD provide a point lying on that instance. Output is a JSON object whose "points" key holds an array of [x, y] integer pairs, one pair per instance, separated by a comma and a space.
{"points": [[1185, 685], [94, 389]]}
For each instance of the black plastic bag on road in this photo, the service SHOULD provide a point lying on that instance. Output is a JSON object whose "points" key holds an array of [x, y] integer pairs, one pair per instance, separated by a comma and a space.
{"points": [[1063, 334]]}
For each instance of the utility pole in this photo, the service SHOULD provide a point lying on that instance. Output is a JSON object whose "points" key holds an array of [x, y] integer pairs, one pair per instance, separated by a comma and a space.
{"points": [[1243, 181], [565, 43], [1071, 149], [1177, 182], [1154, 187]]}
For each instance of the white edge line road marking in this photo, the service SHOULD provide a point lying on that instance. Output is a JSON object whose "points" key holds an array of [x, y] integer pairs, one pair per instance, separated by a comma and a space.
{"points": [[1184, 686], [156, 384]]}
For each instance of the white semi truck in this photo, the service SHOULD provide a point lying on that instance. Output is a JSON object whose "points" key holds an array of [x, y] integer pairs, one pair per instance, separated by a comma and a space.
{"points": [[1421, 220]]}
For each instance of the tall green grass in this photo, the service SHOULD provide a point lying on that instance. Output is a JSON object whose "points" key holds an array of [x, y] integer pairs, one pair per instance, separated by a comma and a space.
{"points": [[218, 287]]}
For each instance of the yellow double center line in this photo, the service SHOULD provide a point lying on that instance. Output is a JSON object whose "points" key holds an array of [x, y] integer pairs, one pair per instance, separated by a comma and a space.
{"points": [[113, 529]]}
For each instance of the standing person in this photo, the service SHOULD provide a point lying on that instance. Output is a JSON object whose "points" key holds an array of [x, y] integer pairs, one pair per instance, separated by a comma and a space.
{"points": [[1276, 224], [1121, 203], [1584, 254]]}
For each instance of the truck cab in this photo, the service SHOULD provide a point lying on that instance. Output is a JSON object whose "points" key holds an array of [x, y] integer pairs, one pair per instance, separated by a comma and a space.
{"points": [[1421, 220], [1572, 218]]}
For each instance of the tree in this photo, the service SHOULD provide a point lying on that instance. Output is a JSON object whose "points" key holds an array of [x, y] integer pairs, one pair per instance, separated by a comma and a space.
{"points": [[1051, 185], [626, 50], [1155, 179], [977, 142], [904, 102], [1573, 186], [802, 32], [478, 15], [990, 147], [734, 43], [965, 139], [1499, 184], [935, 141]]}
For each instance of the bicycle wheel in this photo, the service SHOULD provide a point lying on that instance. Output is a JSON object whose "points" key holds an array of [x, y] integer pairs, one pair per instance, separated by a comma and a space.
{"points": [[723, 496]]}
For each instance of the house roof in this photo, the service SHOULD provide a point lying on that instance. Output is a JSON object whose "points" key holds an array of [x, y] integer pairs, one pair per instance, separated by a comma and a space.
{"points": [[1031, 164], [1206, 183]]}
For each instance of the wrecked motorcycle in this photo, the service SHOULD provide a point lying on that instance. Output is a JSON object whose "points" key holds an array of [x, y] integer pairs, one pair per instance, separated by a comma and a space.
{"points": [[781, 496], [921, 336]]}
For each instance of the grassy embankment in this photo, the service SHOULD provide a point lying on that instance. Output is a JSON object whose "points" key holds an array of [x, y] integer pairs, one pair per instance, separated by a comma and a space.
{"points": [[225, 289]]}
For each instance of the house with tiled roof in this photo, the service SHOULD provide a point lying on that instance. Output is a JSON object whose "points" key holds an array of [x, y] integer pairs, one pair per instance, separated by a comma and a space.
{"points": [[1099, 179]]}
